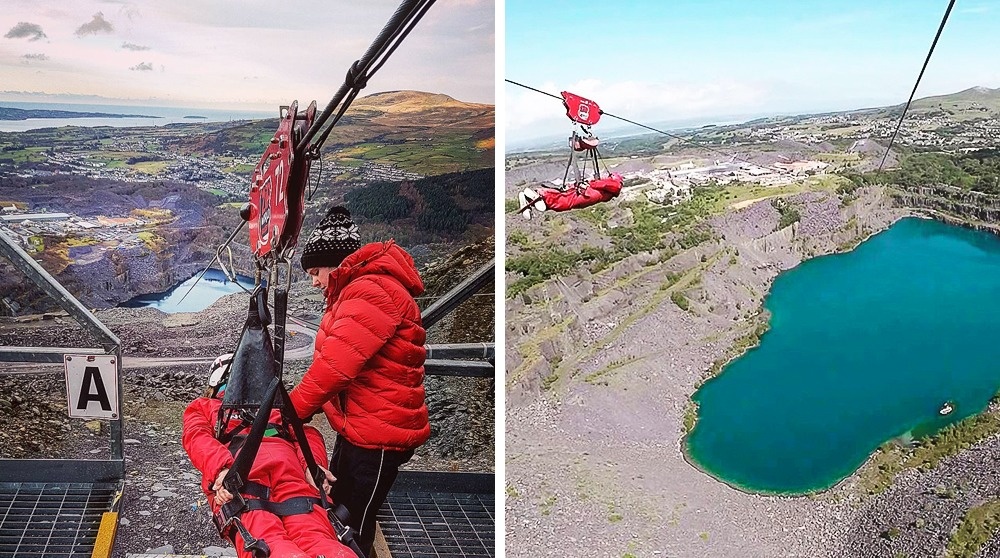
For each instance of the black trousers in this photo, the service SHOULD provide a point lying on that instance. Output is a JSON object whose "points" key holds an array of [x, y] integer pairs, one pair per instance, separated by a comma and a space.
{"points": [[364, 477]]}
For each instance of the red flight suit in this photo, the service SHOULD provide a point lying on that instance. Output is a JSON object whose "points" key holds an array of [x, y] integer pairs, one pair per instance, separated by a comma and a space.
{"points": [[596, 191], [279, 466]]}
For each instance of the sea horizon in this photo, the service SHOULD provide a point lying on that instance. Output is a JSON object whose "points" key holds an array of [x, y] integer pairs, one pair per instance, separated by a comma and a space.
{"points": [[153, 115]]}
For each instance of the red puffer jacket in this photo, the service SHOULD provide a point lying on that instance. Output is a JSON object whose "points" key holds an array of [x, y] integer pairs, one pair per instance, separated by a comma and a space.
{"points": [[368, 367]]}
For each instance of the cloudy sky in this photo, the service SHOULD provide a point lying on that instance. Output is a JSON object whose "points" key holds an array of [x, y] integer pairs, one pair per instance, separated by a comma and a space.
{"points": [[250, 54], [716, 60]]}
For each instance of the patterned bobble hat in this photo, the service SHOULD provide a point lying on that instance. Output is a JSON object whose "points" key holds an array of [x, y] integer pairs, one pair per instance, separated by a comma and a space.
{"points": [[333, 239]]}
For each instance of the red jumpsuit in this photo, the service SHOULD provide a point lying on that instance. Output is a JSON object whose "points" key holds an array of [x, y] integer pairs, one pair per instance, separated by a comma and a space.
{"points": [[597, 191], [280, 466]]}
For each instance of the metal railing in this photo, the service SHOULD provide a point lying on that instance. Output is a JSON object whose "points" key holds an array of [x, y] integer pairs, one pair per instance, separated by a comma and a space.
{"points": [[111, 345], [56, 507], [445, 513]]}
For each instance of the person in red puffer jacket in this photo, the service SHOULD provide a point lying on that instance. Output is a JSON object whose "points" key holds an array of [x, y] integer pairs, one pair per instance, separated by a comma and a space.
{"points": [[368, 367]]}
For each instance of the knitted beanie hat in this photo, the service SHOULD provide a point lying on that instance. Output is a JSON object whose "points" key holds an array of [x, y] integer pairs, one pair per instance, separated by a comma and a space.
{"points": [[333, 239]]}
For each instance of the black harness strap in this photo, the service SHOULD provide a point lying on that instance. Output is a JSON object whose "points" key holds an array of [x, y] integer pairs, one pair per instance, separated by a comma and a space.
{"points": [[291, 506], [261, 500], [257, 490], [338, 515], [228, 515]]}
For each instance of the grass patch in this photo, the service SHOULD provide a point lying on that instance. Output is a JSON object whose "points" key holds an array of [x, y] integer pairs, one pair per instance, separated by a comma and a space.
{"points": [[151, 240], [26, 155], [530, 349], [596, 215], [153, 214], [550, 380], [680, 300], [741, 345], [596, 377], [690, 417], [519, 238], [953, 439], [78, 241], [151, 167], [788, 213], [241, 168], [877, 474], [838, 157], [544, 263], [547, 505], [976, 529]]}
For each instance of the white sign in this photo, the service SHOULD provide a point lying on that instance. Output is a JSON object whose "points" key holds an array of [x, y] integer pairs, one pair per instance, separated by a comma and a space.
{"points": [[92, 386]]}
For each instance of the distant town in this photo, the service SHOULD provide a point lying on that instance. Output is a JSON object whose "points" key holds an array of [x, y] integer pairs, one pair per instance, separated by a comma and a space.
{"points": [[783, 150], [226, 175], [920, 129]]}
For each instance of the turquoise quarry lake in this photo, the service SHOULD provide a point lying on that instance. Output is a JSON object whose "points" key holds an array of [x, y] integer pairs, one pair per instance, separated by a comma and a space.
{"points": [[864, 347], [213, 286]]}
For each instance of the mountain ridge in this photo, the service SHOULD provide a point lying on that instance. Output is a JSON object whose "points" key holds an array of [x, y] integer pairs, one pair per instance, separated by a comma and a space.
{"points": [[408, 100]]}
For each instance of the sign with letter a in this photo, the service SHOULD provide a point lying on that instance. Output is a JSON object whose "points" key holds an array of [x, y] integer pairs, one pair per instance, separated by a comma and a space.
{"points": [[92, 386]]}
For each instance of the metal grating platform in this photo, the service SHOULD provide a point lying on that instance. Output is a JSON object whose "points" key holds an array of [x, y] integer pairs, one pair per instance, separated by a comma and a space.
{"points": [[52, 519], [437, 524]]}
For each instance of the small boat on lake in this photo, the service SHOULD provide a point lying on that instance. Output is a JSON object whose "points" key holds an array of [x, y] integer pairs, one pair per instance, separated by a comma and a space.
{"points": [[947, 408]]}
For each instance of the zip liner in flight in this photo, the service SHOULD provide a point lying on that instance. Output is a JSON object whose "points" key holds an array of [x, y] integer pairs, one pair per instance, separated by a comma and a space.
{"points": [[583, 191]]}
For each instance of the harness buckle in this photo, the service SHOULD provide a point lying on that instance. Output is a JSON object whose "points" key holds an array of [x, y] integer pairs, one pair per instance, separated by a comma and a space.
{"points": [[229, 513], [227, 519]]}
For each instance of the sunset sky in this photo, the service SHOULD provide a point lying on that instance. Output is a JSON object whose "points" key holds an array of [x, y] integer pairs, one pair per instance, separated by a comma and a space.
{"points": [[207, 53]]}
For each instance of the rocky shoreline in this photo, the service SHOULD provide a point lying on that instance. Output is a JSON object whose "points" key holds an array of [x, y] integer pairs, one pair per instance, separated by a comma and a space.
{"points": [[605, 364]]}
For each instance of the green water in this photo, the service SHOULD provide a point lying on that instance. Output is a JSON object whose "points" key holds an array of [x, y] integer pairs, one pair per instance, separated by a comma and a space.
{"points": [[863, 347]]}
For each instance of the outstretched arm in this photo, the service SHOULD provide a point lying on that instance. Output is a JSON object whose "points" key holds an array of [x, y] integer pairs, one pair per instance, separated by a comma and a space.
{"points": [[318, 448], [207, 454], [366, 317]]}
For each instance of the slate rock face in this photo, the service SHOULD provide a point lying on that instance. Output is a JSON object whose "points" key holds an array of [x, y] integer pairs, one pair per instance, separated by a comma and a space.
{"points": [[462, 409]]}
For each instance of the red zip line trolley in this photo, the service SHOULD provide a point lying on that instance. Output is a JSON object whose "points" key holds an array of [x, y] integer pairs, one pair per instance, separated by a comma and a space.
{"points": [[583, 143]]}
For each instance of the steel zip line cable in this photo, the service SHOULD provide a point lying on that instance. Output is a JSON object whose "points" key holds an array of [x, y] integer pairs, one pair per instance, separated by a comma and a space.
{"points": [[937, 36], [668, 134], [399, 26]]}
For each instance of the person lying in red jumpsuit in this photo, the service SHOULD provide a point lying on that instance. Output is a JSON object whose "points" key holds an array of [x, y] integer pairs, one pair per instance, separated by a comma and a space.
{"points": [[575, 197], [278, 469]]}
